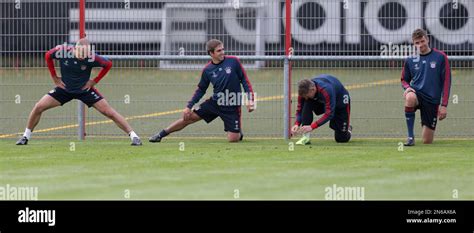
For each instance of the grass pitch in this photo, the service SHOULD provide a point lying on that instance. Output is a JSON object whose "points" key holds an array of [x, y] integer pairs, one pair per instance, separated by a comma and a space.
{"points": [[255, 169]]}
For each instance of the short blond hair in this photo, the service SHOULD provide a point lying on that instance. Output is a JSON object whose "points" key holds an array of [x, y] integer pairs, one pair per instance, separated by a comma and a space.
{"points": [[419, 33]]}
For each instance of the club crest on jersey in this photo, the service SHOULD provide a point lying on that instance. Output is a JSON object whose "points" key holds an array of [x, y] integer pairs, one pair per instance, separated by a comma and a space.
{"points": [[83, 67], [433, 64], [228, 70]]}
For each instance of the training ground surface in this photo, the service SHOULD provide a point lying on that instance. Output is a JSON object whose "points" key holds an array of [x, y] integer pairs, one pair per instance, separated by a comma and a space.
{"points": [[152, 98], [255, 169]]}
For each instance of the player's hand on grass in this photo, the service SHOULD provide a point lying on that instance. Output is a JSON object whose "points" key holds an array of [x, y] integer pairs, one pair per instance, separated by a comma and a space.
{"points": [[442, 113], [305, 129], [59, 83], [187, 114], [408, 90], [250, 106], [89, 85]]}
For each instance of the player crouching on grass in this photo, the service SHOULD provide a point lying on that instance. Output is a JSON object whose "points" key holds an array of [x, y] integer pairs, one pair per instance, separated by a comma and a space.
{"points": [[325, 95], [76, 65], [226, 74], [426, 79]]}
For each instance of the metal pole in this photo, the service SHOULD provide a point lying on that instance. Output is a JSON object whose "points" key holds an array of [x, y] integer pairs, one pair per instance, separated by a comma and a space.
{"points": [[288, 53], [287, 104], [81, 133], [81, 113]]}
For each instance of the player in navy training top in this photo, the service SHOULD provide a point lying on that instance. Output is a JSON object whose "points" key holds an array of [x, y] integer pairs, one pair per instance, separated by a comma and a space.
{"points": [[76, 64], [227, 75], [325, 95], [426, 80]]}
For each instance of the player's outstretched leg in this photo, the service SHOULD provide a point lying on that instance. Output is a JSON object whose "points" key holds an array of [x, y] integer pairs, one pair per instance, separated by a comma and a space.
{"points": [[42, 105], [410, 104], [175, 126], [103, 107]]}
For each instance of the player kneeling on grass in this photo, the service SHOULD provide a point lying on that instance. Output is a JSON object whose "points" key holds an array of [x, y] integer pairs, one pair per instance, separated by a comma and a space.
{"points": [[426, 79], [226, 74], [76, 65], [325, 95]]}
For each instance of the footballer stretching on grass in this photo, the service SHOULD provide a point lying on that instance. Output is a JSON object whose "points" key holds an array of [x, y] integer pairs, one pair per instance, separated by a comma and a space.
{"points": [[325, 95], [426, 79], [227, 75], [76, 65]]}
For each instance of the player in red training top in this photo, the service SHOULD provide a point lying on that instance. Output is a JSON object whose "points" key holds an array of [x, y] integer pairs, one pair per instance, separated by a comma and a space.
{"points": [[76, 64]]}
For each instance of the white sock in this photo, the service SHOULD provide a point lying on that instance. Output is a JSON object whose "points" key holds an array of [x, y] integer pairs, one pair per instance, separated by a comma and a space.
{"points": [[27, 133], [307, 135], [133, 135]]}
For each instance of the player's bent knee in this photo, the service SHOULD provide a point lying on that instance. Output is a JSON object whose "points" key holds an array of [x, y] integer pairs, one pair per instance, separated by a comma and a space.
{"points": [[195, 117], [39, 108], [342, 137], [192, 119], [410, 95], [410, 99], [234, 137]]}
